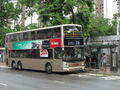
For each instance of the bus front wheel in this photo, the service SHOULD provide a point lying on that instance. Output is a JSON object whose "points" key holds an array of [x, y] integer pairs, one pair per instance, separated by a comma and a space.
{"points": [[48, 68]]}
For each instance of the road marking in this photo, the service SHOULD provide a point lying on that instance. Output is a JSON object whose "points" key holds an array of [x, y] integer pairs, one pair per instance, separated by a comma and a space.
{"points": [[100, 76], [111, 78], [91, 74], [87, 75], [3, 84], [78, 75], [60, 82]]}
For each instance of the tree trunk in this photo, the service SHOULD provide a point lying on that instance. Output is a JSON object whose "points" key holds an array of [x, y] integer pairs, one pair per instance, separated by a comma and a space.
{"points": [[73, 16]]}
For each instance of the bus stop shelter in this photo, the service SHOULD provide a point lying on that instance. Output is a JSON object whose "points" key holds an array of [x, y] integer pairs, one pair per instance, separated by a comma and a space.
{"points": [[93, 53]]}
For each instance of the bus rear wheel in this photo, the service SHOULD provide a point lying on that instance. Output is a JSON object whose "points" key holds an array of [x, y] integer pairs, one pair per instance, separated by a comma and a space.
{"points": [[13, 65], [19, 66], [48, 68]]}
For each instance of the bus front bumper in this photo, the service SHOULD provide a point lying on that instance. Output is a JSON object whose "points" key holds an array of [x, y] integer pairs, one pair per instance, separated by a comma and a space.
{"points": [[70, 69]]}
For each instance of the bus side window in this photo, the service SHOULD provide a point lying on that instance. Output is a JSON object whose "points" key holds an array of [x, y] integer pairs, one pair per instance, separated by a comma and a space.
{"points": [[58, 53], [49, 33], [26, 36], [56, 33], [20, 36], [33, 35], [50, 53]]}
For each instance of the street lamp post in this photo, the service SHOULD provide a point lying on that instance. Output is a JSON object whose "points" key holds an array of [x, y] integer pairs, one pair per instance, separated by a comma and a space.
{"points": [[118, 34]]}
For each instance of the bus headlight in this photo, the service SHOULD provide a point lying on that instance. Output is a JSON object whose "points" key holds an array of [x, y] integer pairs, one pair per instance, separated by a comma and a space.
{"points": [[82, 63], [65, 64]]}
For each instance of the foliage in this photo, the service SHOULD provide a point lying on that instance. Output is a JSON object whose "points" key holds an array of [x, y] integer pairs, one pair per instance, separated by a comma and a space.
{"points": [[28, 27], [118, 2], [7, 13], [29, 4], [20, 27], [100, 26], [116, 16], [3, 32], [32, 26], [27, 9], [54, 12]]}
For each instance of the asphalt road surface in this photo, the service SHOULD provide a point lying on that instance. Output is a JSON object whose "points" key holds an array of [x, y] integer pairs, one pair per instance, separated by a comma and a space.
{"points": [[36, 80]]}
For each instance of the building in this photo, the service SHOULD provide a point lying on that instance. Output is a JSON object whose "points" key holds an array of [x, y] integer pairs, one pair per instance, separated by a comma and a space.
{"points": [[106, 8], [99, 8], [23, 18]]}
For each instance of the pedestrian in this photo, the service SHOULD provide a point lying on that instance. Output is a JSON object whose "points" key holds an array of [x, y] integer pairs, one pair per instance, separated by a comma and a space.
{"points": [[104, 61]]}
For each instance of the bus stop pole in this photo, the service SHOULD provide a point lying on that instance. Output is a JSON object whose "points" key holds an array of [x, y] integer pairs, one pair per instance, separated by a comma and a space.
{"points": [[118, 54]]}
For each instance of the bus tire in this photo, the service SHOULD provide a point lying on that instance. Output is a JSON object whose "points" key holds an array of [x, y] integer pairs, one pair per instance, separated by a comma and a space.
{"points": [[19, 65], [13, 65], [48, 68], [6, 62]]}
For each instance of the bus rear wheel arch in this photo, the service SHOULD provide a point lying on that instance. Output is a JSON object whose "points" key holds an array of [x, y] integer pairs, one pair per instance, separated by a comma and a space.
{"points": [[13, 65], [19, 65], [48, 68]]}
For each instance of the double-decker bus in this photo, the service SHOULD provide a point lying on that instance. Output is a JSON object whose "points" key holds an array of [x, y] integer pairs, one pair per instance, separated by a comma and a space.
{"points": [[52, 49]]}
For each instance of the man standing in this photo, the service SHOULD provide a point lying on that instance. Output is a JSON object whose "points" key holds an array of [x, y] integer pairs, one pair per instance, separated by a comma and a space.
{"points": [[104, 62]]}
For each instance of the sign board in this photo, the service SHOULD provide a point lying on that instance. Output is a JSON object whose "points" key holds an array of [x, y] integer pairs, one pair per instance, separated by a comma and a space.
{"points": [[45, 44], [43, 53], [55, 43], [34, 44], [73, 42]]}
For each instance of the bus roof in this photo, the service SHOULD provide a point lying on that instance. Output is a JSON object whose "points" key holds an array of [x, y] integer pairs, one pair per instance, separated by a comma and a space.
{"points": [[43, 28]]}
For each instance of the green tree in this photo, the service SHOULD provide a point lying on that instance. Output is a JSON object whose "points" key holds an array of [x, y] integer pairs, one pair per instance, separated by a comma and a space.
{"points": [[32, 26], [54, 12], [3, 32], [7, 13], [100, 26], [118, 2], [84, 11], [27, 7]]}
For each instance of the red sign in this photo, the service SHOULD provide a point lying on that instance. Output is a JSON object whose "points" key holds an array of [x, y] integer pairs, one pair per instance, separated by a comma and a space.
{"points": [[55, 43], [75, 64]]}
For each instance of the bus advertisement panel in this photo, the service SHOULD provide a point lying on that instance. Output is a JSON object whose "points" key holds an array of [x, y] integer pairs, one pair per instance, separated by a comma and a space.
{"points": [[36, 44]]}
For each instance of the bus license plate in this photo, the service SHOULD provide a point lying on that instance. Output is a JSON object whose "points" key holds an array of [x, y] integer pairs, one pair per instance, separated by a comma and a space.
{"points": [[75, 64]]}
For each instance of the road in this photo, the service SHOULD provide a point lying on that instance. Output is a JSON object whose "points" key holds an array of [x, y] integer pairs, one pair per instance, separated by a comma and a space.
{"points": [[36, 80]]}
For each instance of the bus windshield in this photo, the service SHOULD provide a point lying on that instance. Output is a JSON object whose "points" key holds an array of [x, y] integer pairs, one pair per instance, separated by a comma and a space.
{"points": [[72, 53], [69, 53]]}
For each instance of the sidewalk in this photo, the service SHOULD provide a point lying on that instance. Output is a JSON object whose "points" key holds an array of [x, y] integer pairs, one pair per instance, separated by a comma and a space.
{"points": [[2, 64], [98, 71]]}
